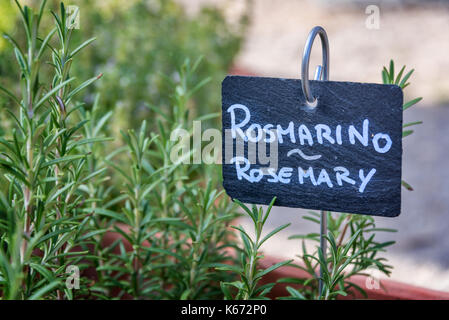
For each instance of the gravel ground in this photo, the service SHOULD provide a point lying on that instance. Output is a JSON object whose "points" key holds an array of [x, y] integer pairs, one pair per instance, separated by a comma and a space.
{"points": [[416, 36]]}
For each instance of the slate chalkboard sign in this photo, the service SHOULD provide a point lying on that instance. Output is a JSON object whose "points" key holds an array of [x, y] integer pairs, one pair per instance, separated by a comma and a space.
{"points": [[343, 155]]}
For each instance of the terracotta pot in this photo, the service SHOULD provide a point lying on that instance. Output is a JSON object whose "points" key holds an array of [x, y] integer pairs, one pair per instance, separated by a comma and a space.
{"points": [[389, 289]]}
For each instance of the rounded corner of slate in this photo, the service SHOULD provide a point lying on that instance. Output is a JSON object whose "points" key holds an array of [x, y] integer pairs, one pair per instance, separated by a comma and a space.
{"points": [[397, 90], [391, 213], [229, 190], [226, 80], [395, 214]]}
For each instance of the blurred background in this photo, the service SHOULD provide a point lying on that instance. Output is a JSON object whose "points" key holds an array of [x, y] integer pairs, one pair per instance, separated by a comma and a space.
{"points": [[140, 43]]}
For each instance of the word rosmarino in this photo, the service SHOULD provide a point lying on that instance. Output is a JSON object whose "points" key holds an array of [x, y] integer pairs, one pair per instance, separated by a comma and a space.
{"points": [[205, 147]]}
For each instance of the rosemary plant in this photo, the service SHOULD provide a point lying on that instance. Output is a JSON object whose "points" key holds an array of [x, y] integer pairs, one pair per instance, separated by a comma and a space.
{"points": [[44, 166], [248, 270], [172, 227]]}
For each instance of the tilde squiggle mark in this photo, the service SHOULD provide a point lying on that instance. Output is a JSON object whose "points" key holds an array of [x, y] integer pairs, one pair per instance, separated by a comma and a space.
{"points": [[304, 156]]}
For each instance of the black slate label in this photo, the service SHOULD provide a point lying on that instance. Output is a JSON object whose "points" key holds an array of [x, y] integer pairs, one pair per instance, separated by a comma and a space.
{"points": [[343, 155]]}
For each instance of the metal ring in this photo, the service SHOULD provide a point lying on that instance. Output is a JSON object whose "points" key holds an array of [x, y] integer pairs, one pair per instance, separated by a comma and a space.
{"points": [[321, 74]]}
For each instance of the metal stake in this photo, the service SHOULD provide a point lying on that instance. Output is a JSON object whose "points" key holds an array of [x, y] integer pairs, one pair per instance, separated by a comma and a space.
{"points": [[321, 73], [323, 246], [323, 215]]}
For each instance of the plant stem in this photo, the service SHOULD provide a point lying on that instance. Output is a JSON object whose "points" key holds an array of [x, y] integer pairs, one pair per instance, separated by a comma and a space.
{"points": [[345, 228]]}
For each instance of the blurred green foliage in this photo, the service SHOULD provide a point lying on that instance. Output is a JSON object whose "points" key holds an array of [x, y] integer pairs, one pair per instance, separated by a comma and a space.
{"points": [[138, 44]]}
